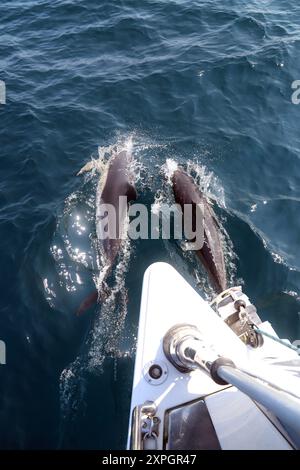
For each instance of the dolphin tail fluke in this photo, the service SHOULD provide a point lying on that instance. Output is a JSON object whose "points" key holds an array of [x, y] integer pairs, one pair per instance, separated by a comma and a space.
{"points": [[88, 167]]}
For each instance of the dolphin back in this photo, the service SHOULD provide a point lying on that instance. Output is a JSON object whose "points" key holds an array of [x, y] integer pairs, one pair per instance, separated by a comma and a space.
{"points": [[211, 254]]}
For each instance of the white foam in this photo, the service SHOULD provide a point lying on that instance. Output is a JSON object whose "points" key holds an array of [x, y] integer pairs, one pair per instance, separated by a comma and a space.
{"points": [[169, 168], [292, 293], [207, 181]]}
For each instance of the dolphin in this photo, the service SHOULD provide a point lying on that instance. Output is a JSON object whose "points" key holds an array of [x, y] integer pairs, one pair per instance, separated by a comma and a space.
{"points": [[115, 182], [211, 254]]}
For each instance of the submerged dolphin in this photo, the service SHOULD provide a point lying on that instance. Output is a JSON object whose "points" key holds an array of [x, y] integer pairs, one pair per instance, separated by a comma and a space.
{"points": [[116, 181], [211, 254]]}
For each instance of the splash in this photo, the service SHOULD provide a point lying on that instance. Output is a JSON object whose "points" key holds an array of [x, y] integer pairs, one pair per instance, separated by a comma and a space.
{"points": [[230, 257], [169, 169], [128, 145], [72, 391], [207, 181], [277, 258], [159, 200], [106, 335], [293, 294]]}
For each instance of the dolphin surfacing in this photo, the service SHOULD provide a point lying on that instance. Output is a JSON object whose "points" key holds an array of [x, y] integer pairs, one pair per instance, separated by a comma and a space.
{"points": [[211, 254], [115, 182]]}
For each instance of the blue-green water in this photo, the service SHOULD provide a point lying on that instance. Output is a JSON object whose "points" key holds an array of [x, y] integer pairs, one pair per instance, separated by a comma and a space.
{"points": [[199, 81]]}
